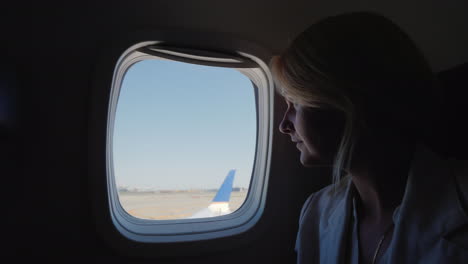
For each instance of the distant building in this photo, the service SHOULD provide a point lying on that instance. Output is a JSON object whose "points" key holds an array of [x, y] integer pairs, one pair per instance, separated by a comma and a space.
{"points": [[122, 189]]}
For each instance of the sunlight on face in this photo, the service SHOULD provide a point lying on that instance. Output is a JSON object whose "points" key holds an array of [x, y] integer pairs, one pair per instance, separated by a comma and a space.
{"points": [[315, 131]]}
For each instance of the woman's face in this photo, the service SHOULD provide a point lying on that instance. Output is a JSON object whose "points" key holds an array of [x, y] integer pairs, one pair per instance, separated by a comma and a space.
{"points": [[315, 131]]}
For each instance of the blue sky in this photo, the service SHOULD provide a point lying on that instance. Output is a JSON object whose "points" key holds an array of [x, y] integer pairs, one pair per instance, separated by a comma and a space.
{"points": [[182, 126]]}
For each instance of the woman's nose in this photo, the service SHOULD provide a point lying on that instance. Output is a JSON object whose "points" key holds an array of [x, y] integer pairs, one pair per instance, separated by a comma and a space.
{"points": [[286, 126]]}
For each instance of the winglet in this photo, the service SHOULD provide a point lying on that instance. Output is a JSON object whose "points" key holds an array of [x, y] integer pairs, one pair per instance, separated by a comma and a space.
{"points": [[224, 193]]}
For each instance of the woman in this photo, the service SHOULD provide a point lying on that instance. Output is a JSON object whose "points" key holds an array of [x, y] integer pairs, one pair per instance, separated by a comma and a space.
{"points": [[361, 98]]}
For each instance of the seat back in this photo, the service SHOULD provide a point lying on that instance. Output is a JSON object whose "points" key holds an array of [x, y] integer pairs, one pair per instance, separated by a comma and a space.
{"points": [[452, 136]]}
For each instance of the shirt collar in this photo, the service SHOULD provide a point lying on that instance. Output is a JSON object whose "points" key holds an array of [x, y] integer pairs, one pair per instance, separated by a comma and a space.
{"points": [[427, 172]]}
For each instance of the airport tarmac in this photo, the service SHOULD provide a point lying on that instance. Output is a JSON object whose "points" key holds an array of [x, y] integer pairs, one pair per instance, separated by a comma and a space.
{"points": [[172, 205]]}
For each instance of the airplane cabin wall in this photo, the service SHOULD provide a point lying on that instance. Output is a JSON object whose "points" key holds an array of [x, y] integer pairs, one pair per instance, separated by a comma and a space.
{"points": [[54, 46]]}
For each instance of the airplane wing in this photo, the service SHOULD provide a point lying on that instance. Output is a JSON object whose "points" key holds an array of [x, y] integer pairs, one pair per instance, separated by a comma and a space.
{"points": [[220, 204]]}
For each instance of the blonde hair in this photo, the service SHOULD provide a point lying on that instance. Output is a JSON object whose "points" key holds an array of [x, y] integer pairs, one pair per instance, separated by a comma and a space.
{"points": [[357, 63], [317, 94]]}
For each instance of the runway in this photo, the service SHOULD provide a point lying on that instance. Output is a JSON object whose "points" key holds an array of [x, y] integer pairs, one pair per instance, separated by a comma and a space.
{"points": [[172, 205]]}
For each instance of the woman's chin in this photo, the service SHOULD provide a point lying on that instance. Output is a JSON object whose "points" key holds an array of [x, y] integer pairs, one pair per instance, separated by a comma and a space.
{"points": [[313, 161]]}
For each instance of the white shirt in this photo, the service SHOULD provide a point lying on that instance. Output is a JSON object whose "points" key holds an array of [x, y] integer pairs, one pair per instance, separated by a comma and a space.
{"points": [[431, 224]]}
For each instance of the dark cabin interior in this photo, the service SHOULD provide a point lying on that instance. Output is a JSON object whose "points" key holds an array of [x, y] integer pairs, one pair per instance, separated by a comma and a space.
{"points": [[47, 76]]}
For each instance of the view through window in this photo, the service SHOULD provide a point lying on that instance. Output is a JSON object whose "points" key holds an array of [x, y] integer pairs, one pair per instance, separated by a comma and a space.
{"points": [[184, 140]]}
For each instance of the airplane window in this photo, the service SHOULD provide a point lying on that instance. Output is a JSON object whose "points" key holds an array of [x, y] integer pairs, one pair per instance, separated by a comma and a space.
{"points": [[188, 142], [184, 140]]}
